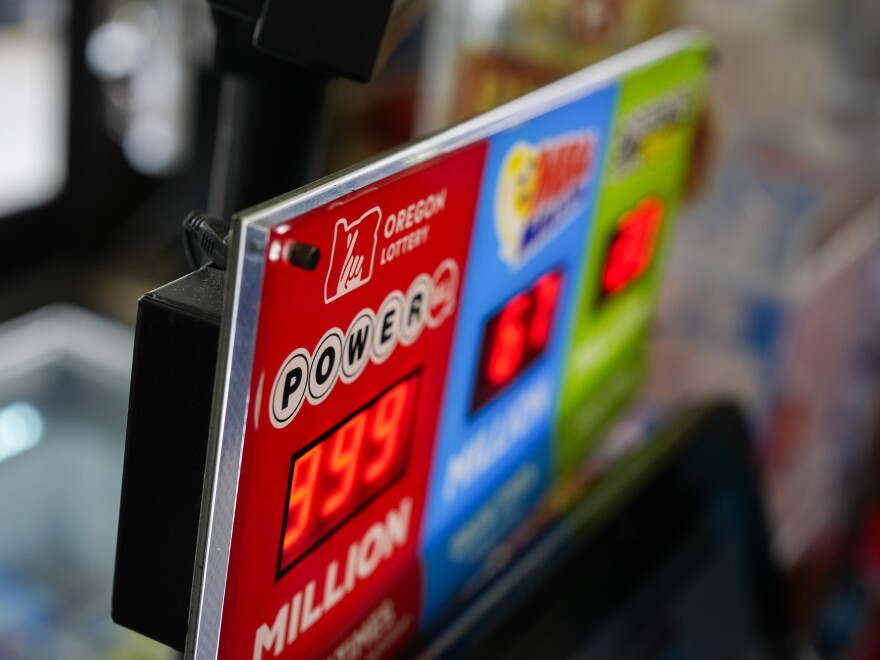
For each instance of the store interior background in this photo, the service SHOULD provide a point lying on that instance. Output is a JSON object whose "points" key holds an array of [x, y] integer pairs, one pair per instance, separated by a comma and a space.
{"points": [[771, 297]]}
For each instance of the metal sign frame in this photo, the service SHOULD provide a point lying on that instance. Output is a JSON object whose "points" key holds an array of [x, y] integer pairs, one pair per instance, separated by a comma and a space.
{"points": [[244, 287]]}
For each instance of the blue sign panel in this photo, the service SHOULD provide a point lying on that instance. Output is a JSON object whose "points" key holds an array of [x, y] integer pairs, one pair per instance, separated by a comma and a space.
{"points": [[493, 454]]}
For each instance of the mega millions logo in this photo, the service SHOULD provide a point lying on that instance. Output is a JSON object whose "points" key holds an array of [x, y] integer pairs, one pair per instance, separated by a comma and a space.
{"points": [[541, 188]]}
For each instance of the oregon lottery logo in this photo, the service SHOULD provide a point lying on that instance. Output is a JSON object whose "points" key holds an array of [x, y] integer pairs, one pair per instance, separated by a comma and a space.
{"points": [[540, 189], [372, 336], [353, 254]]}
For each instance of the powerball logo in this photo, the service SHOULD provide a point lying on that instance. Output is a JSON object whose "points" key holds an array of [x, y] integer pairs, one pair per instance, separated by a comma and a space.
{"points": [[353, 254], [540, 189]]}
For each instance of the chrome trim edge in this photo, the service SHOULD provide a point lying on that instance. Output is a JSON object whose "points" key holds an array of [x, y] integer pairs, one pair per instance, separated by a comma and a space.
{"points": [[229, 415]]}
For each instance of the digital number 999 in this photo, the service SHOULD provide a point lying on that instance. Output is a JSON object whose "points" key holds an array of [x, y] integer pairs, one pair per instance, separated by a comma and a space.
{"points": [[346, 468]]}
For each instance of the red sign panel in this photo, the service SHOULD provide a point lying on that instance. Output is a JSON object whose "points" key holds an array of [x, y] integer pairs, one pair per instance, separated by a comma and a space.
{"points": [[350, 475]]}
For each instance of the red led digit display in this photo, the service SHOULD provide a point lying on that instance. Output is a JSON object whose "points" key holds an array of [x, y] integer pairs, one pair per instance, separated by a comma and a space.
{"points": [[345, 468], [516, 336], [632, 247]]}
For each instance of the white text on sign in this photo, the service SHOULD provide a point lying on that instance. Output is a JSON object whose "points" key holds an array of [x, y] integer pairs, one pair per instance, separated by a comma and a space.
{"points": [[308, 606], [371, 336]]}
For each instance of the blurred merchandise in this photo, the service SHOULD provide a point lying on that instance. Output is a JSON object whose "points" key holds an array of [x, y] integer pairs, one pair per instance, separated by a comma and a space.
{"points": [[774, 64], [147, 53], [63, 390], [787, 239], [481, 54], [34, 63], [99, 143], [774, 281], [750, 320]]}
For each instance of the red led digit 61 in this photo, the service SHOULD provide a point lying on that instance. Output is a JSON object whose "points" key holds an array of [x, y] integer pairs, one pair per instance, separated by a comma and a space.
{"points": [[516, 336], [345, 468]]}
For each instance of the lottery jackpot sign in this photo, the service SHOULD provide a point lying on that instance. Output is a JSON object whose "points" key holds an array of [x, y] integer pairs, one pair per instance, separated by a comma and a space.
{"points": [[474, 313]]}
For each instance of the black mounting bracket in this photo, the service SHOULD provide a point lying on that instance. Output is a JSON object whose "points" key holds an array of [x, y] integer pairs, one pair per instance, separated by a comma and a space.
{"points": [[330, 37]]}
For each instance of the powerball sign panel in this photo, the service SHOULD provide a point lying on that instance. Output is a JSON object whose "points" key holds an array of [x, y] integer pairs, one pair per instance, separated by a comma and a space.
{"points": [[417, 352]]}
